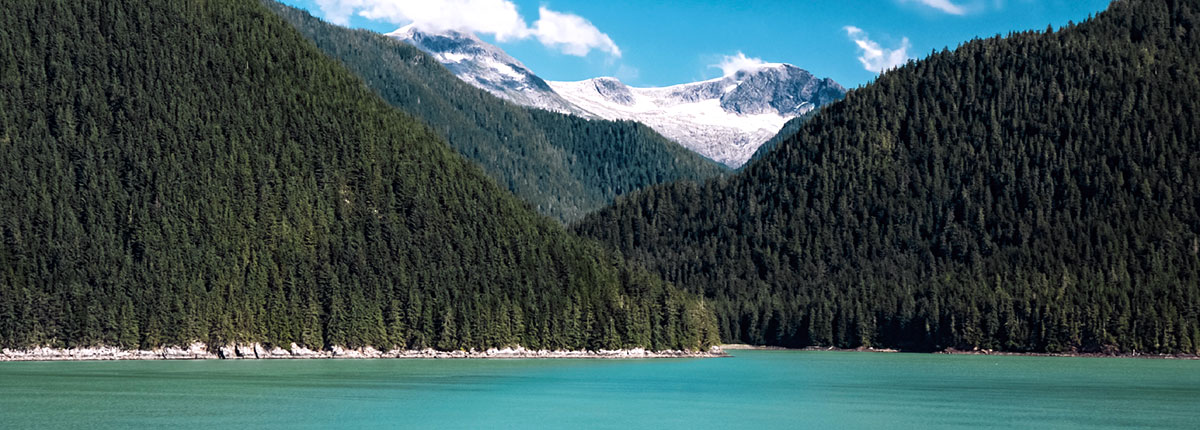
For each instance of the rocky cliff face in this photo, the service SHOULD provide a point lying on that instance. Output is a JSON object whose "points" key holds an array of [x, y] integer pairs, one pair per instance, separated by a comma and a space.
{"points": [[784, 89]]}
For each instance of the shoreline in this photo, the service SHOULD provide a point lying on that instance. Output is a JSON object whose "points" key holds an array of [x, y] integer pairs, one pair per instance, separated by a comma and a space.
{"points": [[255, 351], [953, 351], [747, 347]]}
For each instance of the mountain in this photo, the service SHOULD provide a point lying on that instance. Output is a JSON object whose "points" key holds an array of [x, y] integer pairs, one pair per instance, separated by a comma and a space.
{"points": [[1027, 193], [724, 119], [564, 165], [226, 181], [486, 66]]}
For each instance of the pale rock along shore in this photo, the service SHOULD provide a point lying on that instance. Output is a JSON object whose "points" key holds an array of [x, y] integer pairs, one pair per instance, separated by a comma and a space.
{"points": [[200, 351]]}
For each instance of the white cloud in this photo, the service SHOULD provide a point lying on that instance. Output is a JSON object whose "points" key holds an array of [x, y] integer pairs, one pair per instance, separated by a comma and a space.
{"points": [[730, 64], [876, 58], [569, 33], [572, 34], [943, 5], [336, 11]]}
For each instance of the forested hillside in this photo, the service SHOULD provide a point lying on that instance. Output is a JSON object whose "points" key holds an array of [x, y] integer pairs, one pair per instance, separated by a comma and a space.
{"points": [[564, 165], [786, 132], [177, 170], [1037, 192]]}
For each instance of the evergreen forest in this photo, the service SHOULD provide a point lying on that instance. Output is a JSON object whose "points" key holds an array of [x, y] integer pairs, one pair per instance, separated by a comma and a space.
{"points": [[1036, 192], [177, 170]]}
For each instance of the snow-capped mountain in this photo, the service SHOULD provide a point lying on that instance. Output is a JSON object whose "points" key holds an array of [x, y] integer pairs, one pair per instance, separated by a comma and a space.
{"points": [[486, 66], [725, 119]]}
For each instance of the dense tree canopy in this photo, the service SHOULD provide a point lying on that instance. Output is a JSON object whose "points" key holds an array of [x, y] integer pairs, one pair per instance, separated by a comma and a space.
{"points": [[1037, 192], [565, 166], [786, 132], [177, 170]]}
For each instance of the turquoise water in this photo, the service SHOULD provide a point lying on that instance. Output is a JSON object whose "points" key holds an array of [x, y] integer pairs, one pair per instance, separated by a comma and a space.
{"points": [[754, 389]]}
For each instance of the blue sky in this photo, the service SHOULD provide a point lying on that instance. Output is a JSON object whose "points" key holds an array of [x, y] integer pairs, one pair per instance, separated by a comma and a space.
{"points": [[670, 42]]}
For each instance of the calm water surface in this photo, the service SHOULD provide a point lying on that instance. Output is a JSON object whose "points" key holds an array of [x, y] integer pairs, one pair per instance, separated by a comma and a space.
{"points": [[754, 389]]}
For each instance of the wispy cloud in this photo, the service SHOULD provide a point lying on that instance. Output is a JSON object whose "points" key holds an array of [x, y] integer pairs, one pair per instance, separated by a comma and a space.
{"points": [[873, 56], [943, 5], [565, 32], [626, 73], [731, 64]]}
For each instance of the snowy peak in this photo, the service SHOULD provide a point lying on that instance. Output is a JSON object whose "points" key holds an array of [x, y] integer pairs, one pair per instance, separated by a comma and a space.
{"points": [[783, 89], [485, 66], [445, 41], [725, 119]]}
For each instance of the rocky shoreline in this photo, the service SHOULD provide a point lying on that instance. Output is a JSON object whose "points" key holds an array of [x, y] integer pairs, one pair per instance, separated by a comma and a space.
{"points": [[200, 351]]}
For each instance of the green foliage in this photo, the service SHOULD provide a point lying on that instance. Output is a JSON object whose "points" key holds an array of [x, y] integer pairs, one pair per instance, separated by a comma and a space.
{"points": [[1037, 192], [786, 132], [179, 170], [565, 166]]}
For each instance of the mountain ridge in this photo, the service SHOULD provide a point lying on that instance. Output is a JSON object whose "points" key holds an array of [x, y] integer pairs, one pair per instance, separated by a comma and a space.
{"points": [[724, 119], [489, 67]]}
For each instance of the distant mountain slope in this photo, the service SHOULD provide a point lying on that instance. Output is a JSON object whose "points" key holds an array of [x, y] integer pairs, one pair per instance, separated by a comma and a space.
{"points": [[1030, 193], [724, 119], [179, 171], [565, 166]]}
